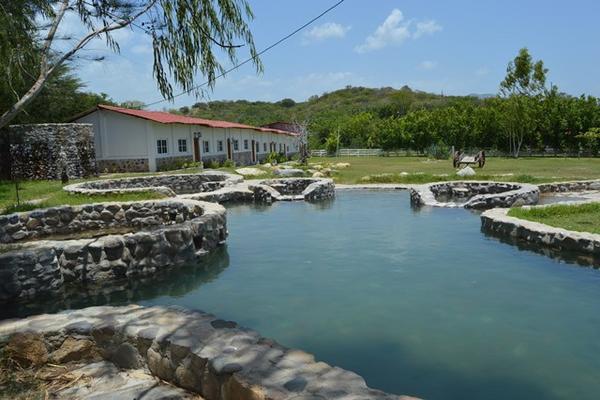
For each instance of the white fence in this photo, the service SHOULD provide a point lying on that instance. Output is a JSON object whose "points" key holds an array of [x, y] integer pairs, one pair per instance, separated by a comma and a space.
{"points": [[349, 153]]}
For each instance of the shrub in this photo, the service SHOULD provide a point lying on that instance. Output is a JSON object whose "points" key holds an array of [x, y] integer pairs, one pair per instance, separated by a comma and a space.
{"points": [[228, 164], [213, 164]]}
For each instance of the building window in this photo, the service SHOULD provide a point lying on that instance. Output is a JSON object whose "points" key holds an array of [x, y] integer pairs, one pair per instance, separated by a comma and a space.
{"points": [[206, 145], [220, 145], [288, 149], [161, 146], [245, 144], [182, 145], [257, 147], [236, 145], [265, 147]]}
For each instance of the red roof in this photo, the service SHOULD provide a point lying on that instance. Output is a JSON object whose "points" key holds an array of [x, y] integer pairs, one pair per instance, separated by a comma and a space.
{"points": [[168, 118]]}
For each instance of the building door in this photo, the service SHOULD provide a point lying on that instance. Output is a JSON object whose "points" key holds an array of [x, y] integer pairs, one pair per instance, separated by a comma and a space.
{"points": [[253, 152], [229, 152], [197, 149]]}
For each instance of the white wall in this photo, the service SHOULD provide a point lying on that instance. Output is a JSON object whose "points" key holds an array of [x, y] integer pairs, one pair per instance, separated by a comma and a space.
{"points": [[118, 136]]}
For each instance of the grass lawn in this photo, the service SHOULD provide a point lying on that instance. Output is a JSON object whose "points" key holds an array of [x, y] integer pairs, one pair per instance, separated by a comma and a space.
{"points": [[421, 170], [51, 194], [578, 217]]}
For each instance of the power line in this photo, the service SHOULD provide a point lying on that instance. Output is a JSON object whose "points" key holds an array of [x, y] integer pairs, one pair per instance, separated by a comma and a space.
{"points": [[283, 39]]}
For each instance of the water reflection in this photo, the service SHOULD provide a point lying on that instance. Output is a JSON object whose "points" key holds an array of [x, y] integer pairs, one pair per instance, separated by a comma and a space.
{"points": [[173, 283], [570, 257]]}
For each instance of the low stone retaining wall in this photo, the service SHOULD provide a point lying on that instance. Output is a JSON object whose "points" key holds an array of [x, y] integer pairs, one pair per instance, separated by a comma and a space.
{"points": [[267, 191], [193, 350], [581, 247], [476, 194], [176, 232], [576, 186], [169, 185], [286, 189]]}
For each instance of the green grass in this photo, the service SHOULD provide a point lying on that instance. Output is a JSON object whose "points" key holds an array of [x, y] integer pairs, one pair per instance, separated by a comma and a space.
{"points": [[576, 217], [527, 170], [50, 194]]}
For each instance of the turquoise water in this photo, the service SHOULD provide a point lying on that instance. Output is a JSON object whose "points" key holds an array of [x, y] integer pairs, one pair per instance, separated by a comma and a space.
{"points": [[418, 302]]}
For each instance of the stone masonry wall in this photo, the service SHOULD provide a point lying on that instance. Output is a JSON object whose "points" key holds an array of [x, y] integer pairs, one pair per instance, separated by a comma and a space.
{"points": [[166, 184], [479, 195], [576, 186], [40, 151], [214, 358], [170, 163], [583, 247], [124, 165], [175, 232]]}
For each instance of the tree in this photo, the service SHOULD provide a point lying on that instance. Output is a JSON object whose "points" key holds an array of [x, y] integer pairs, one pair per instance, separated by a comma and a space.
{"points": [[62, 97], [525, 80], [133, 104], [185, 34]]}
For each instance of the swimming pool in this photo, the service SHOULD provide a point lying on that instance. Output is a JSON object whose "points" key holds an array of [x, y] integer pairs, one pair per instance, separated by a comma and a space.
{"points": [[418, 302]]}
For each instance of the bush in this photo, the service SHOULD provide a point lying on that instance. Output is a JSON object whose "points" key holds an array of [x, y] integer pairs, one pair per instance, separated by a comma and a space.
{"points": [[275, 158], [213, 164], [228, 164]]}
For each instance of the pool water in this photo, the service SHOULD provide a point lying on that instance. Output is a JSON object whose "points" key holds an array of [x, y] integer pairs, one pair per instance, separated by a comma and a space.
{"points": [[418, 302]]}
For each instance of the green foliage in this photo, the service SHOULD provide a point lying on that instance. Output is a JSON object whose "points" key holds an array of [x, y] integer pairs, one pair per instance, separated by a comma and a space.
{"points": [[576, 217], [228, 164], [591, 140], [190, 38], [61, 98], [212, 164], [275, 158]]}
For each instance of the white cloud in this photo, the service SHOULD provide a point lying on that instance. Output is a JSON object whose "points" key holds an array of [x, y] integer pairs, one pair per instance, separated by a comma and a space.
{"points": [[395, 30], [427, 65], [329, 30], [426, 28]]}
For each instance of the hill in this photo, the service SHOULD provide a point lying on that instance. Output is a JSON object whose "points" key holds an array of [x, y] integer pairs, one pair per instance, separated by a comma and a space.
{"points": [[341, 103]]}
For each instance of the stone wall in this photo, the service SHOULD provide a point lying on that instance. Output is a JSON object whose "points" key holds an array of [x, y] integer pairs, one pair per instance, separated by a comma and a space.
{"points": [[166, 234], [41, 151], [309, 189], [576, 186], [124, 165], [582, 247], [474, 194], [243, 158], [193, 350], [167, 184], [170, 163]]}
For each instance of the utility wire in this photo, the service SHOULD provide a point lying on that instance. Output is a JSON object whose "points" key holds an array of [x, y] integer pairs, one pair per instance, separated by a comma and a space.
{"points": [[263, 51]]}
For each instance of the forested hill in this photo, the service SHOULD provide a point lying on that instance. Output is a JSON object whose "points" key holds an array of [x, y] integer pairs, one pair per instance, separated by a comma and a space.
{"points": [[338, 104]]}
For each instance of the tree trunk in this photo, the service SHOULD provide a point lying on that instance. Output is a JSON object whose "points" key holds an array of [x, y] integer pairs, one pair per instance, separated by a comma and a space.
{"points": [[23, 101]]}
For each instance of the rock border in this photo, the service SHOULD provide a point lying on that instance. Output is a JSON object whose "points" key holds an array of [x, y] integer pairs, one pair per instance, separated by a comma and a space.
{"points": [[573, 186], [196, 351], [269, 190], [292, 189], [481, 194], [582, 247], [179, 231], [168, 185]]}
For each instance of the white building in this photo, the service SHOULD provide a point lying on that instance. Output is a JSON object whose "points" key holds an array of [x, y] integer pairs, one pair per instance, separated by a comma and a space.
{"points": [[138, 140]]}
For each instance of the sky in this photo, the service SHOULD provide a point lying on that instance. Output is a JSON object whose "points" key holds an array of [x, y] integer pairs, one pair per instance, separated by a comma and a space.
{"points": [[454, 47]]}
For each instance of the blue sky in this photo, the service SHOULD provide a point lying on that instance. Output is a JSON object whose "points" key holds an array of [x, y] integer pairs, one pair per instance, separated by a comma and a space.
{"points": [[458, 47]]}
